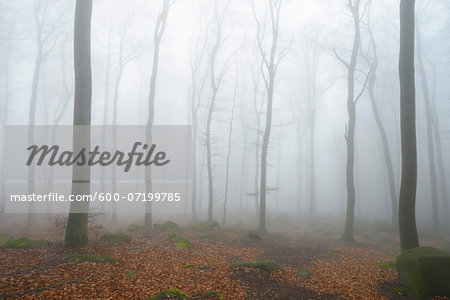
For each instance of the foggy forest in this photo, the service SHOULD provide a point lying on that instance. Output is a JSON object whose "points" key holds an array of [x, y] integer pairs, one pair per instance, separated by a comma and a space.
{"points": [[224, 149]]}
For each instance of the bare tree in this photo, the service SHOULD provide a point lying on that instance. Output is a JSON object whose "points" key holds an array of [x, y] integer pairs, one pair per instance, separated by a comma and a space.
{"points": [[158, 34], [230, 132], [269, 66], [216, 79], [407, 202], [352, 99], [431, 130], [198, 84], [46, 38], [76, 230], [384, 140]]}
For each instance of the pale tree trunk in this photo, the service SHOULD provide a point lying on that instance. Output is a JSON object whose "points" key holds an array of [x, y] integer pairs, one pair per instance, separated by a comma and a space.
{"points": [[430, 127], [215, 82], [157, 37], [230, 132], [270, 64], [384, 140], [407, 202], [77, 223]]}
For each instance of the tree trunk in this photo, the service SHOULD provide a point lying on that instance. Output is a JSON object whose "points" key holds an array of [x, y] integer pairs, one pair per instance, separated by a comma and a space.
{"points": [[407, 201], [384, 139], [77, 223], [228, 157], [350, 134], [157, 37], [430, 132]]}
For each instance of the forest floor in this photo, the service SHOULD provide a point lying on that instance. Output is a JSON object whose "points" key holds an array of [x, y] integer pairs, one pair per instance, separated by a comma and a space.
{"points": [[150, 263]]}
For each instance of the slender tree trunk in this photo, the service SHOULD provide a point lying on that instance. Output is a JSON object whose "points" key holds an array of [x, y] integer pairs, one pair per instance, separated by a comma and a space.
{"points": [[105, 112], [77, 223], [214, 87], [157, 37], [350, 134], [430, 131], [228, 157], [407, 202], [384, 140]]}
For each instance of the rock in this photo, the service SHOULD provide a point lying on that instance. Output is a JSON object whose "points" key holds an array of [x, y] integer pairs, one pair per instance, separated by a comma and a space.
{"points": [[23, 243], [170, 294], [304, 274], [425, 272]]}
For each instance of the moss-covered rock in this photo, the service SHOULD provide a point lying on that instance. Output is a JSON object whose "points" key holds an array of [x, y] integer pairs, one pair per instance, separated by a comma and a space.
{"points": [[116, 238], [84, 257], [138, 228], [425, 272], [266, 265], [188, 266], [181, 241], [23, 243], [5, 238], [446, 246], [170, 294], [304, 274], [167, 226]]}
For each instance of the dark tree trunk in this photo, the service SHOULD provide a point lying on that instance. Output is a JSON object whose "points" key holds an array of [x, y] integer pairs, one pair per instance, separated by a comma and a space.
{"points": [[407, 202], [77, 223], [350, 134]]}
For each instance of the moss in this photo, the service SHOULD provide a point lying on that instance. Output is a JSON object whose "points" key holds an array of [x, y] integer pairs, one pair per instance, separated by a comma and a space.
{"points": [[116, 238], [89, 258], [181, 241], [23, 243], [5, 238], [425, 272], [170, 294], [131, 274], [205, 225], [188, 266], [166, 226], [138, 228], [387, 265], [214, 293], [266, 265], [330, 252]]}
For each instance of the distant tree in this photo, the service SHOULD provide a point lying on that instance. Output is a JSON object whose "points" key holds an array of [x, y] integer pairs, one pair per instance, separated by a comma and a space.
{"points": [[381, 129], [352, 99], [158, 34], [270, 61], [76, 230], [432, 134], [46, 38], [230, 134], [407, 202], [198, 80], [216, 79]]}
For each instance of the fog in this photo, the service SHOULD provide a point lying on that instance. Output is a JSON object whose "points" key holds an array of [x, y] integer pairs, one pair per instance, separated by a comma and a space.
{"points": [[309, 101]]}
